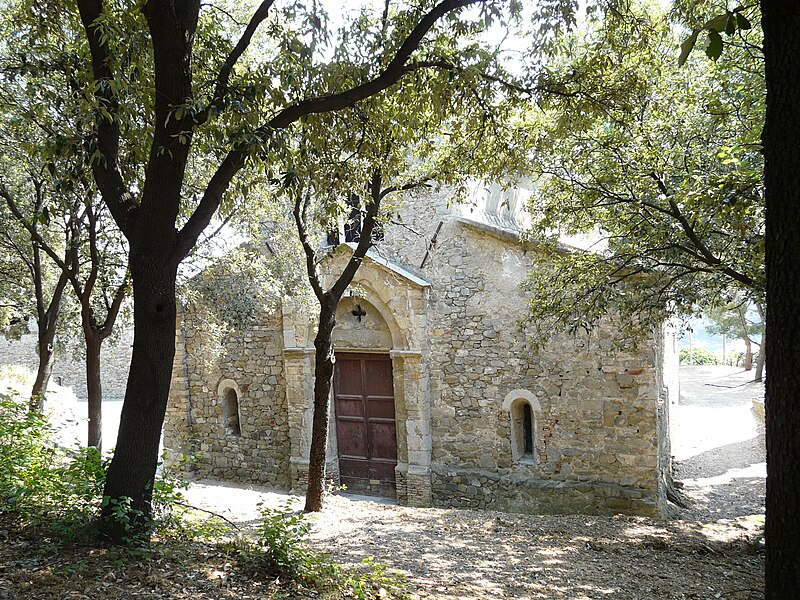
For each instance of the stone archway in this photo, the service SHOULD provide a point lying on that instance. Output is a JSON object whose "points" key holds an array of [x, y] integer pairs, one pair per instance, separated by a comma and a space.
{"points": [[397, 302]]}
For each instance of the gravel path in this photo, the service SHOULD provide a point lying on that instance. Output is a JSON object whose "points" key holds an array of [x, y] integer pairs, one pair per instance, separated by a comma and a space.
{"points": [[718, 444]]}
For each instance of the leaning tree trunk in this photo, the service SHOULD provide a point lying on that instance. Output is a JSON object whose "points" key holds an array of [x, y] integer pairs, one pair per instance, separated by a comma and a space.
{"points": [[748, 354], [47, 323], [762, 355], [131, 473], [748, 344], [323, 376], [781, 141], [43, 372], [94, 390], [759, 374]]}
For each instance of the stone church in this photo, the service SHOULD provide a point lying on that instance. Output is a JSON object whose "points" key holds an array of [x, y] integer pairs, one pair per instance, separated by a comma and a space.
{"points": [[437, 399]]}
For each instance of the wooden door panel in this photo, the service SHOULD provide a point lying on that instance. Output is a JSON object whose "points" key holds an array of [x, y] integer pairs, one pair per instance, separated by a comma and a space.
{"points": [[379, 375], [384, 441], [365, 423], [350, 407], [348, 378], [380, 408], [352, 438]]}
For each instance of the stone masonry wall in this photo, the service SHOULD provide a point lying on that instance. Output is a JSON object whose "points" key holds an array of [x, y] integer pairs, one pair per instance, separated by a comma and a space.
{"points": [[195, 425], [115, 361], [595, 438], [599, 442]]}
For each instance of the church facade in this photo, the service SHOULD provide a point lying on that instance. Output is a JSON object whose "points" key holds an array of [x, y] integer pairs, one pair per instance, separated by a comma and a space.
{"points": [[437, 400]]}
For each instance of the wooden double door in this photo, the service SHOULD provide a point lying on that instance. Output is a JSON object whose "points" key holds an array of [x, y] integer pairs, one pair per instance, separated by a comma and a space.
{"points": [[366, 430]]}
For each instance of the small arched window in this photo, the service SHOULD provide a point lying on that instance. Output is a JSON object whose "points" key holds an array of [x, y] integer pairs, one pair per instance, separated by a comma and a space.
{"points": [[527, 428], [523, 408], [229, 397]]}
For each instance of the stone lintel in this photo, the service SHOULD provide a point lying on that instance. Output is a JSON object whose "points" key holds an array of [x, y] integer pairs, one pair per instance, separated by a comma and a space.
{"points": [[406, 354], [297, 352]]}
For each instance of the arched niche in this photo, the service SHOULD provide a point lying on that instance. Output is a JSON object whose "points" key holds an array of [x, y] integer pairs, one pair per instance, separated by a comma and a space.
{"points": [[360, 325], [229, 394], [524, 410]]}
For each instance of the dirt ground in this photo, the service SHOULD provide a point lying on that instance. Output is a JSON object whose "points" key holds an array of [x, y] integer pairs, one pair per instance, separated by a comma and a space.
{"points": [[718, 445]]}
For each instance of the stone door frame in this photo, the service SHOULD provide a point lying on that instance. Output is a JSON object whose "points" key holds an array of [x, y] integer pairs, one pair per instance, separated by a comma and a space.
{"points": [[402, 302]]}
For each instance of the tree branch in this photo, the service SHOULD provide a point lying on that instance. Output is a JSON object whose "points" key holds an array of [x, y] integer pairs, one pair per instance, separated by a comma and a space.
{"points": [[235, 159], [34, 233], [364, 242], [221, 86], [113, 310], [300, 213], [106, 171]]}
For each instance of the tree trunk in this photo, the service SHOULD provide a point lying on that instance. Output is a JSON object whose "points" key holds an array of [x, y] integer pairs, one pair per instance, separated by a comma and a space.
{"points": [[748, 353], [759, 374], [762, 355], [131, 473], [94, 390], [43, 372], [323, 376], [46, 322], [781, 140]]}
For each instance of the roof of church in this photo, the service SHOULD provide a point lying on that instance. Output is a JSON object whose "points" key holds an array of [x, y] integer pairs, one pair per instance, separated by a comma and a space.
{"points": [[393, 267]]}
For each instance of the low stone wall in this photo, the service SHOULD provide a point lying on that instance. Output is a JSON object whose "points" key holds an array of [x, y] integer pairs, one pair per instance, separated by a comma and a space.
{"points": [[69, 370], [522, 494]]}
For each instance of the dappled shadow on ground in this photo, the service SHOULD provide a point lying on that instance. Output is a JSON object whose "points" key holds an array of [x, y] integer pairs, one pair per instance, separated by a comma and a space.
{"points": [[466, 554], [742, 496]]}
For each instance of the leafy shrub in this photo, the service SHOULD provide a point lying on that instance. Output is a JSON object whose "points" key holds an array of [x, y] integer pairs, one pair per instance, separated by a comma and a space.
{"points": [[281, 548], [698, 356], [60, 489], [40, 482], [281, 545]]}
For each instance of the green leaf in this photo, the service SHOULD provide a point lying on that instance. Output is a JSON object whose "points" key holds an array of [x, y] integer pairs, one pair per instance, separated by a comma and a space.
{"points": [[744, 24], [714, 47], [718, 23], [687, 46], [730, 26]]}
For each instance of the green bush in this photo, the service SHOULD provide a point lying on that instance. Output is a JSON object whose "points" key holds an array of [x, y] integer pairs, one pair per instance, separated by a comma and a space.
{"points": [[281, 548], [40, 482], [698, 356], [60, 489]]}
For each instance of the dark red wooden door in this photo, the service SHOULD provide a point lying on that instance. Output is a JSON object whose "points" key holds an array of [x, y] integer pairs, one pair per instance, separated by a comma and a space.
{"points": [[366, 431]]}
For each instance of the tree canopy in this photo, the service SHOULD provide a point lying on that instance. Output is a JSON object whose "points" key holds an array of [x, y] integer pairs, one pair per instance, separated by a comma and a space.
{"points": [[658, 167], [166, 104]]}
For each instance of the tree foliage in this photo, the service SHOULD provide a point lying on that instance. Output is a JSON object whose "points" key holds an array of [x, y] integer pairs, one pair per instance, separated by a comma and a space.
{"points": [[172, 100], [658, 168]]}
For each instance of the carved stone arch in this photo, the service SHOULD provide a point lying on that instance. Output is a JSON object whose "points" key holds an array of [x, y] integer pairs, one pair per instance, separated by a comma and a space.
{"points": [[365, 290], [522, 395], [400, 298]]}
